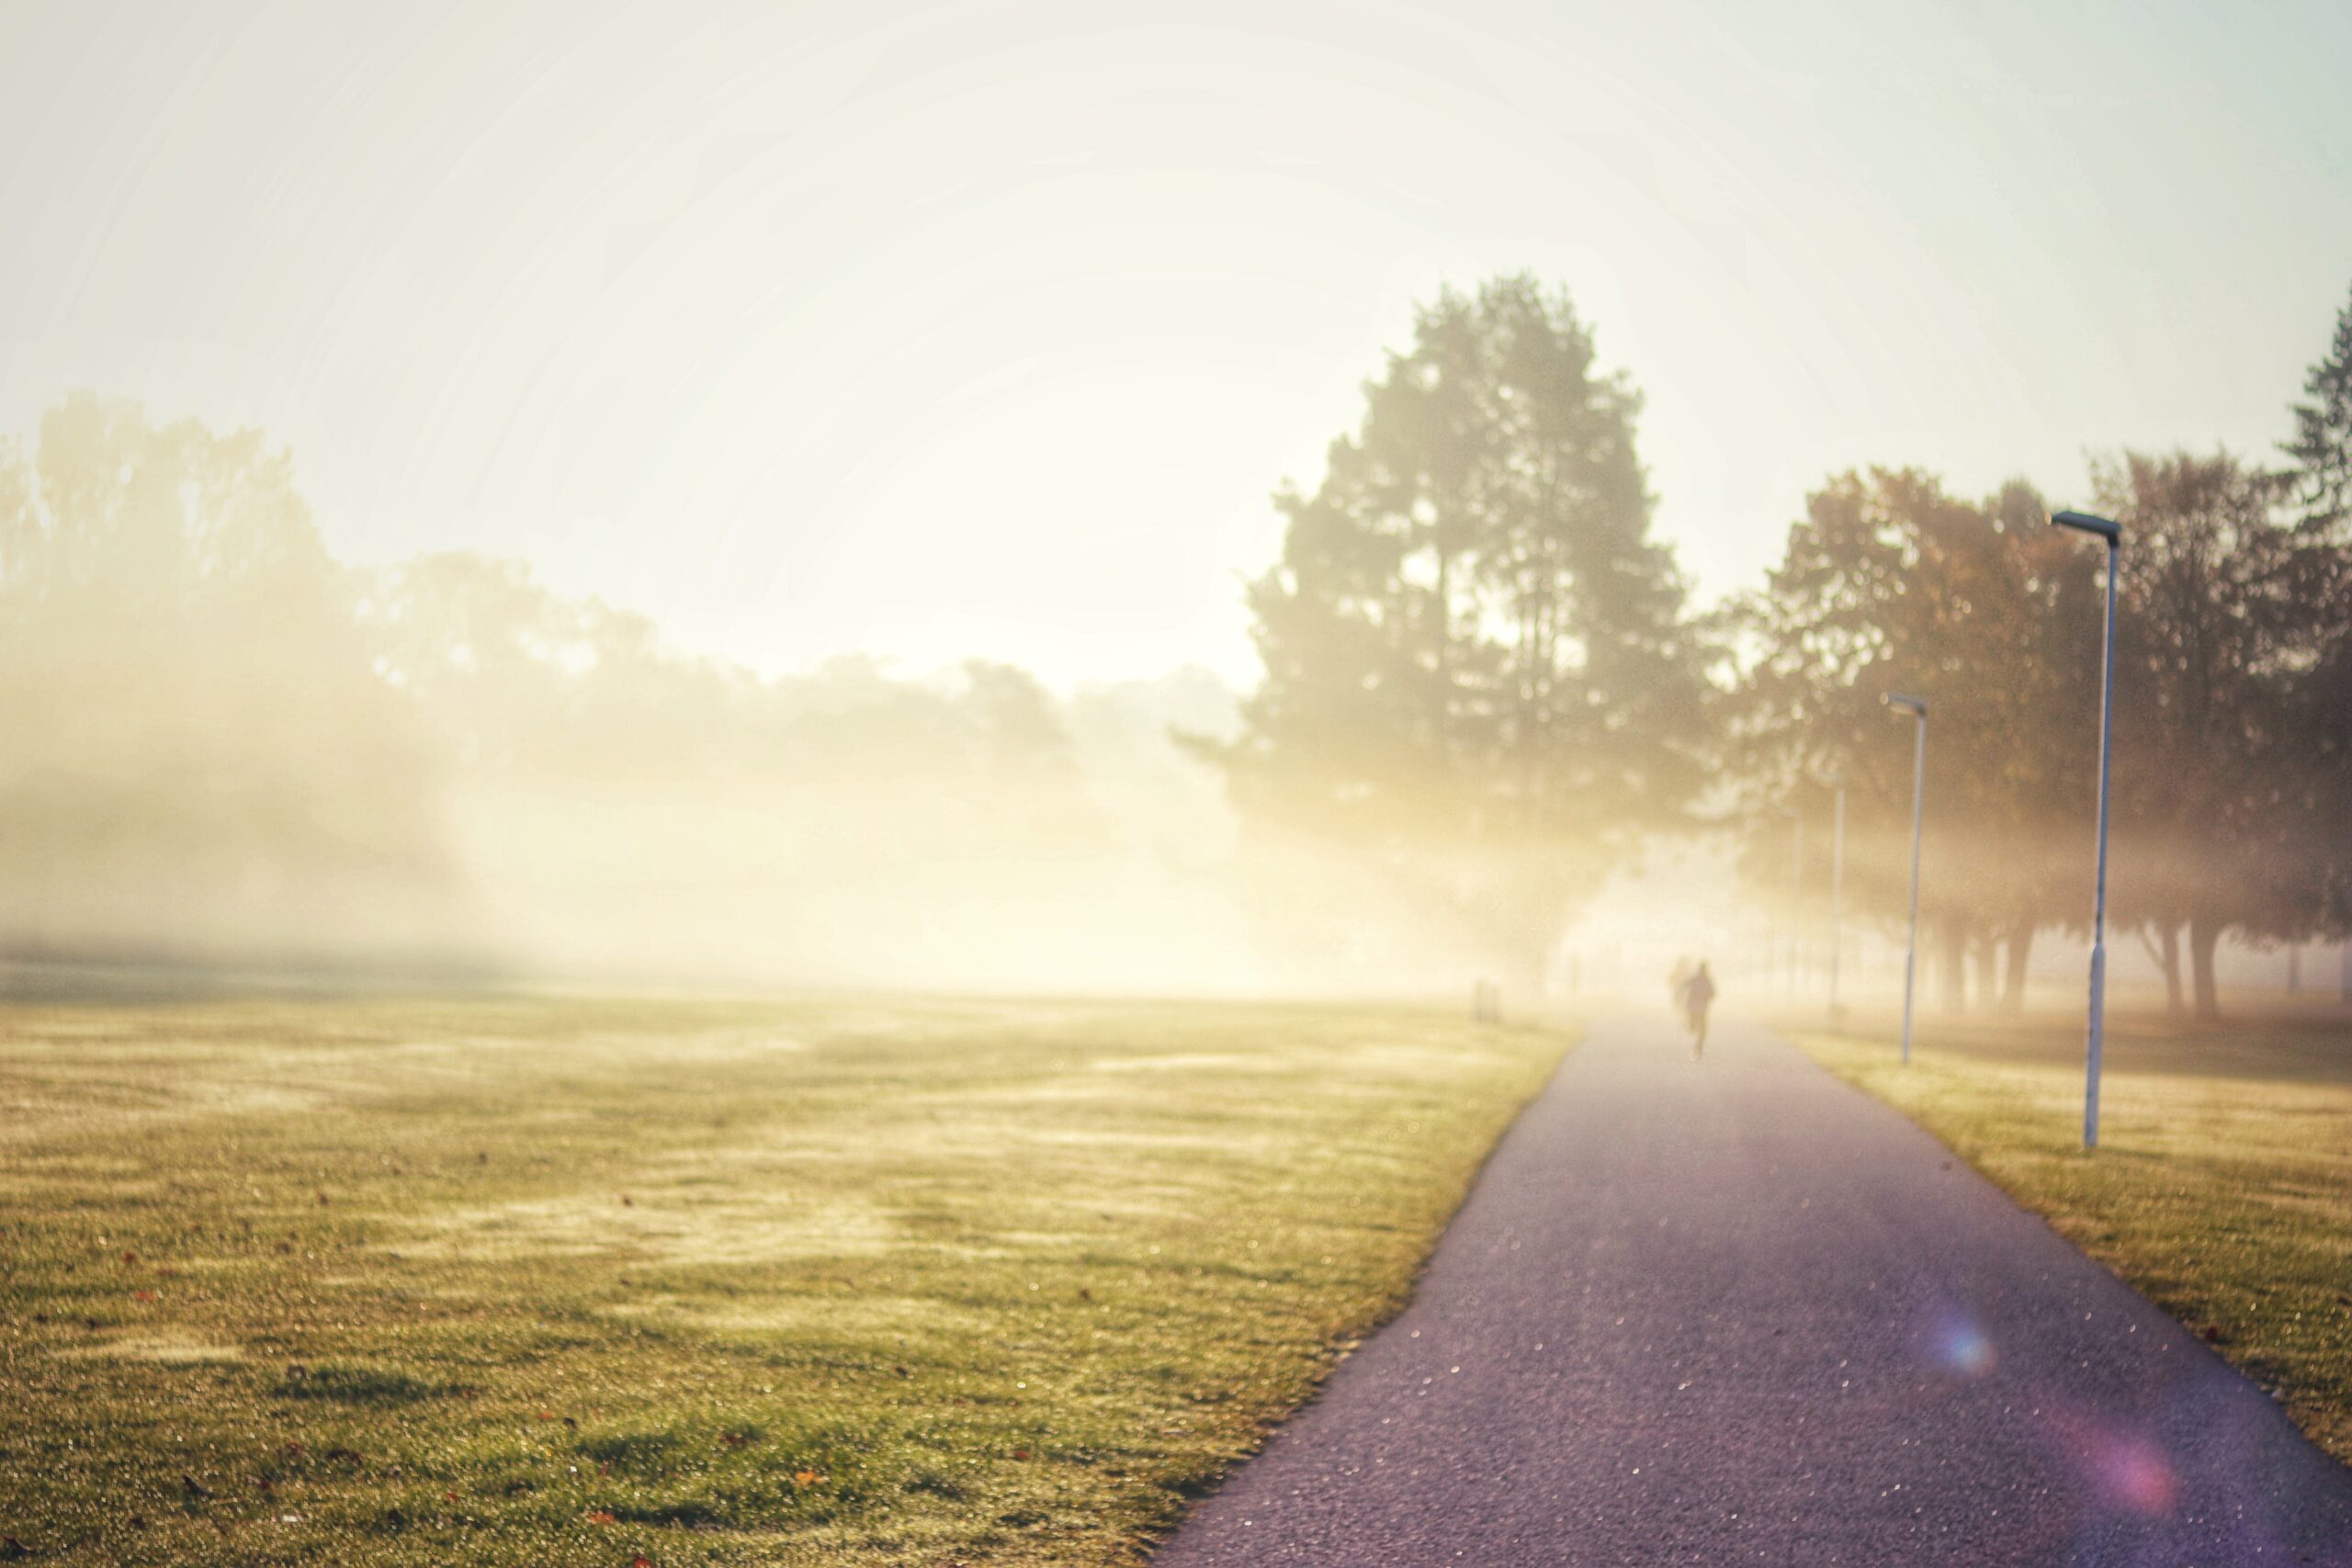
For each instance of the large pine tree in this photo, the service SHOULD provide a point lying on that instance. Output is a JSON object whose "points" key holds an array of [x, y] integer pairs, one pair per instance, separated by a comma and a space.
{"points": [[2321, 448], [1477, 665]]}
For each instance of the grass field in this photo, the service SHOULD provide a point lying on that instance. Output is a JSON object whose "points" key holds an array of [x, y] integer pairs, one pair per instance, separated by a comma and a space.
{"points": [[2221, 1187], [555, 1282]]}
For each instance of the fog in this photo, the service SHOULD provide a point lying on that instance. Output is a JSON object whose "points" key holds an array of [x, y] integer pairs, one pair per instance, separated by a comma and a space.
{"points": [[1258, 501], [226, 748]]}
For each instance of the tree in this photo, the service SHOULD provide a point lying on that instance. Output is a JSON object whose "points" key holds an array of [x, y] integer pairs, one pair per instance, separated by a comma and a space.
{"points": [[1476, 657], [2319, 715], [2217, 627], [2321, 448], [1890, 583], [193, 720], [2320, 697]]}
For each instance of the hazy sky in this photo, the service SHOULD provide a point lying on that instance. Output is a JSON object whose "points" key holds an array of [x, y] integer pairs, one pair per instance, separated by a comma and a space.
{"points": [[987, 328]]}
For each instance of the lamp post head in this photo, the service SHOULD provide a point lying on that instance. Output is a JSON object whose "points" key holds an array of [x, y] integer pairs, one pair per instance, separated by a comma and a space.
{"points": [[1916, 707], [2085, 522]]}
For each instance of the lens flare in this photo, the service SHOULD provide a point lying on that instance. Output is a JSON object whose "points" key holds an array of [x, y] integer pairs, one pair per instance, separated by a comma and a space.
{"points": [[2124, 1470], [2133, 1474], [1957, 1344]]}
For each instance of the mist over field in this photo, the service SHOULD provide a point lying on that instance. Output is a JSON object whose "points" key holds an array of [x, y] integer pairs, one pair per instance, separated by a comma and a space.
{"points": [[1178, 504], [1493, 738], [230, 747]]}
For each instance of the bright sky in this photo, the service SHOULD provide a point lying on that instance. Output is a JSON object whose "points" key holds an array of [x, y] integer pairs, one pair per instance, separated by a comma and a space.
{"points": [[935, 329]]}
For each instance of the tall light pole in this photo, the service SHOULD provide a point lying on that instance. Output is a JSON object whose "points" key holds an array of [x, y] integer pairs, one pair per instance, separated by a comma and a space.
{"points": [[2112, 532], [1796, 895], [1837, 886], [1918, 709]]}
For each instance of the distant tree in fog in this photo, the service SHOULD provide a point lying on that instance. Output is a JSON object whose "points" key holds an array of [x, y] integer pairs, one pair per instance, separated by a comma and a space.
{"points": [[1478, 663], [198, 752], [523, 680]]}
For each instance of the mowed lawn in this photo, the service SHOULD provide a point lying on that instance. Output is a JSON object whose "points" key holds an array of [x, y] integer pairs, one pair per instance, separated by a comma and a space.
{"points": [[582, 1281], [2222, 1184]]}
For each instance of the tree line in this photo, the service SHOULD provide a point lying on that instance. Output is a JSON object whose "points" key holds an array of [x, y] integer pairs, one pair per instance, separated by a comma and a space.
{"points": [[1486, 689], [223, 742], [1482, 668]]}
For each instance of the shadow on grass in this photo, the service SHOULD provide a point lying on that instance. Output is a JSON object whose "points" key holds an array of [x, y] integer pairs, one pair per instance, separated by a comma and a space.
{"points": [[357, 1385]]}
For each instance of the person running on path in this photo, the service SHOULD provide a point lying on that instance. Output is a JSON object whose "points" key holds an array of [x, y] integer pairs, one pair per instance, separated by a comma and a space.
{"points": [[1698, 994]]}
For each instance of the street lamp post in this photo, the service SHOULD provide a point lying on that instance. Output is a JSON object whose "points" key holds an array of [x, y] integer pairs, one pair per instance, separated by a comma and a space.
{"points": [[2112, 532], [1796, 897], [1837, 888], [1918, 709]]}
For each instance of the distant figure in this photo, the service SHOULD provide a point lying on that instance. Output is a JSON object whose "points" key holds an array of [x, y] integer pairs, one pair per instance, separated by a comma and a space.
{"points": [[1677, 983], [1698, 993]]}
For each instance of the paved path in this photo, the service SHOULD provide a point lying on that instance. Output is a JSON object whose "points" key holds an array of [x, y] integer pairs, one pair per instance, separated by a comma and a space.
{"points": [[1738, 1312]]}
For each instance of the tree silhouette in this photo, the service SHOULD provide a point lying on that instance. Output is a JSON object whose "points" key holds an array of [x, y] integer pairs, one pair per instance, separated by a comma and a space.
{"points": [[193, 718], [2216, 629], [1890, 583], [2322, 447], [1478, 665]]}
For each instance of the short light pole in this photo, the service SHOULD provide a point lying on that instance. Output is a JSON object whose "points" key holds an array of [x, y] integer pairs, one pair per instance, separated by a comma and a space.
{"points": [[2112, 532], [1837, 886], [1796, 896], [1918, 709]]}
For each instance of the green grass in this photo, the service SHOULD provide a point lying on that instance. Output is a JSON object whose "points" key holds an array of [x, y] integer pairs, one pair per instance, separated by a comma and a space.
{"points": [[2222, 1184], [546, 1281]]}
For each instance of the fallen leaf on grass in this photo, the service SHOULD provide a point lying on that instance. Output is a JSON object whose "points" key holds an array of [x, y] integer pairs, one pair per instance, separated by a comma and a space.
{"points": [[808, 1478], [601, 1517]]}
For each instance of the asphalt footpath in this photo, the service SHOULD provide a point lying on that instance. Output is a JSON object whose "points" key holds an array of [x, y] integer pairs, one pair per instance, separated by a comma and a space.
{"points": [[1733, 1311]]}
